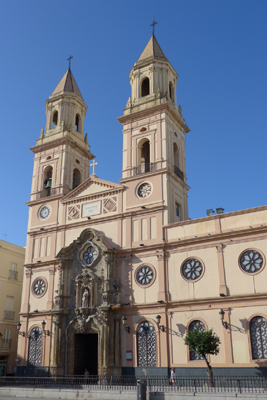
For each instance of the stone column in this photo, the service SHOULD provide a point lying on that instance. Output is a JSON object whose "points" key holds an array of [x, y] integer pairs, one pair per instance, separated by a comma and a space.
{"points": [[25, 307], [223, 290], [162, 292]]}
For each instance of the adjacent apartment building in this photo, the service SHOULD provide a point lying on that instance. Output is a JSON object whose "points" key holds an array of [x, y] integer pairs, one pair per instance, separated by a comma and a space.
{"points": [[11, 273]]}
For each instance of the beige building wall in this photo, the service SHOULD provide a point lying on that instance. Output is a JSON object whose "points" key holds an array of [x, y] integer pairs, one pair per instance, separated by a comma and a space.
{"points": [[12, 258], [142, 227]]}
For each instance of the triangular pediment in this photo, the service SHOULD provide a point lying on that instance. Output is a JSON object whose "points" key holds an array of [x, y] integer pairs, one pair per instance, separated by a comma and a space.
{"points": [[92, 186]]}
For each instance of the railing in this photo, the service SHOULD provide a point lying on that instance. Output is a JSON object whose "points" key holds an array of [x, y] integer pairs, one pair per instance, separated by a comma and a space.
{"points": [[13, 274], [178, 172], [221, 384], [6, 343], [144, 167], [46, 193], [9, 315]]}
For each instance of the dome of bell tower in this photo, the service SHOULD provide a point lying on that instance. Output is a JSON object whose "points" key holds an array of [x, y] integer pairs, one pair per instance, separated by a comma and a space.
{"points": [[153, 79]]}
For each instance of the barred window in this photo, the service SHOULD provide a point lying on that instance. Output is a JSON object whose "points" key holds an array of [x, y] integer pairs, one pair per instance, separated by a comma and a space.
{"points": [[198, 325], [35, 347], [258, 334], [146, 345]]}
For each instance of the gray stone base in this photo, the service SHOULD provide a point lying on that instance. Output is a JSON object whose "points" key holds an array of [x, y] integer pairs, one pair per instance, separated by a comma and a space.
{"points": [[189, 372]]}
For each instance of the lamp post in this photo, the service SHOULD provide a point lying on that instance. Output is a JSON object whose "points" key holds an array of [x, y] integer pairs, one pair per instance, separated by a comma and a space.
{"points": [[161, 327], [224, 323], [46, 332], [18, 329], [126, 328]]}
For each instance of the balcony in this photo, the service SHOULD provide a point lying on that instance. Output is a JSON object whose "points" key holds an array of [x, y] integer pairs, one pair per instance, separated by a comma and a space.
{"points": [[178, 172], [6, 344], [143, 168], [9, 315], [13, 274], [46, 193]]}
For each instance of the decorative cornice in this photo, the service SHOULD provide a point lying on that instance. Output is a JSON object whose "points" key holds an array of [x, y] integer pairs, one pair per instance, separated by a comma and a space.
{"points": [[146, 175], [44, 199], [207, 303], [59, 142], [164, 107], [90, 197], [112, 188], [214, 239], [220, 216], [85, 223]]}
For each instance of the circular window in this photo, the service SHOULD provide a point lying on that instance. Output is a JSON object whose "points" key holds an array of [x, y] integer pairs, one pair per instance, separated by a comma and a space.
{"points": [[144, 190], [145, 275], [90, 255], [39, 287], [192, 269], [251, 261], [44, 212]]}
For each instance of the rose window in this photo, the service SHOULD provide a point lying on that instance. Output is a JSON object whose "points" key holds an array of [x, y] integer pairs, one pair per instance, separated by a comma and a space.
{"points": [[251, 261], [144, 190], [39, 286], [192, 269], [144, 275], [90, 255]]}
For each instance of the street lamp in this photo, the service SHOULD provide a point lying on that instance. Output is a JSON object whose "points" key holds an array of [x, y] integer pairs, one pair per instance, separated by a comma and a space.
{"points": [[161, 327], [126, 328], [46, 332], [224, 323]]}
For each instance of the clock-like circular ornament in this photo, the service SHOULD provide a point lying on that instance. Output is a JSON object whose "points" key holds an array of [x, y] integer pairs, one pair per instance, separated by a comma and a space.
{"points": [[144, 190], [39, 287], [44, 212], [90, 255]]}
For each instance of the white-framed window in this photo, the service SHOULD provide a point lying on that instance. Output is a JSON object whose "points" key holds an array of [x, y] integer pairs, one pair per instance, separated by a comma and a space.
{"points": [[8, 312], [13, 271], [6, 342]]}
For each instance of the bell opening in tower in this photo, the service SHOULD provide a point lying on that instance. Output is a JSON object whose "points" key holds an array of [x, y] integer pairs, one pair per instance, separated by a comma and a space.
{"points": [[145, 87]]}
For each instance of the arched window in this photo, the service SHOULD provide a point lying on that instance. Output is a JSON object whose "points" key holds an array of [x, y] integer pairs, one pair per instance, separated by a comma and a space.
{"points": [[77, 122], [198, 325], [175, 155], [35, 347], [146, 345], [145, 87], [47, 180], [143, 156], [171, 91], [55, 119], [258, 334], [76, 180]]}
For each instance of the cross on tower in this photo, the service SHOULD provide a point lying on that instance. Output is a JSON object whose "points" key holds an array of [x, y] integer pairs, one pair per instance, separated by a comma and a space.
{"points": [[69, 60], [153, 25], [94, 164]]}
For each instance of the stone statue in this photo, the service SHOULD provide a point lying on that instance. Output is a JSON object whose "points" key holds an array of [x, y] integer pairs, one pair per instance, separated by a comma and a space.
{"points": [[42, 133], [85, 298]]}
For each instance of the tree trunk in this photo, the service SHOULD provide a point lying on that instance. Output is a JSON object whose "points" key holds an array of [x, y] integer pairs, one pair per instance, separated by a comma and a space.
{"points": [[209, 372]]}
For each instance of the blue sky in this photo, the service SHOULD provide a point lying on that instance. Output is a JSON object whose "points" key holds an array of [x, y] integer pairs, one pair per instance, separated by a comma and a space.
{"points": [[218, 49]]}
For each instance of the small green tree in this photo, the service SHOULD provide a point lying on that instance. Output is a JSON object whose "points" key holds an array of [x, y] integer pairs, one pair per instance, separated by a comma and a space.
{"points": [[203, 343]]}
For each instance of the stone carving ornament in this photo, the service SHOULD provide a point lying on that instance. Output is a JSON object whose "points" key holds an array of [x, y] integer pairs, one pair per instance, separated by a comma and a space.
{"points": [[85, 298]]}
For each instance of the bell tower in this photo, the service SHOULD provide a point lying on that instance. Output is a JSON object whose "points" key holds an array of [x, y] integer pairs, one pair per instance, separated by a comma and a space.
{"points": [[62, 153], [154, 135]]}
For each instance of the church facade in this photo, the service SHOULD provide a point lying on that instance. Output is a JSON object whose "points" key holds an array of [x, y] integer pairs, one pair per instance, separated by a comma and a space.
{"points": [[116, 273]]}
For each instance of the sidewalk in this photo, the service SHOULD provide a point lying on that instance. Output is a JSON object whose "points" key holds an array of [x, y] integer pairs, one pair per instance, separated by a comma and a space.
{"points": [[22, 393]]}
